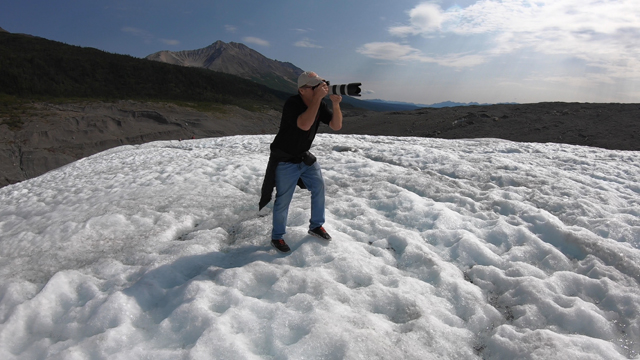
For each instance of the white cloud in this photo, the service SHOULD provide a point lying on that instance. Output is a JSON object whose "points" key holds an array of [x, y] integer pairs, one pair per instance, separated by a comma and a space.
{"points": [[142, 34], [560, 24], [146, 36], [230, 28], [389, 51], [307, 43], [398, 52], [424, 18], [460, 60], [255, 41], [170, 42], [602, 33], [578, 81]]}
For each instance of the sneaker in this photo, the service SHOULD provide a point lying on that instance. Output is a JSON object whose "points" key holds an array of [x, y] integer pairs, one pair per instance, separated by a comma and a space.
{"points": [[320, 232], [280, 245]]}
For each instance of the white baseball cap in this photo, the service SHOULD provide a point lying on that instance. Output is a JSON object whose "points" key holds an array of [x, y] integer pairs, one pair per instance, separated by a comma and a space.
{"points": [[309, 78]]}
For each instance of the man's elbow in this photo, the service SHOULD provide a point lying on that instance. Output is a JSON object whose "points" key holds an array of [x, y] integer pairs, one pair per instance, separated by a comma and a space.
{"points": [[303, 126]]}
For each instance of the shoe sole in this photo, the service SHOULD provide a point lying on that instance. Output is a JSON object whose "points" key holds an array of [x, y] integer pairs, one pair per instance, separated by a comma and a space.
{"points": [[318, 236]]}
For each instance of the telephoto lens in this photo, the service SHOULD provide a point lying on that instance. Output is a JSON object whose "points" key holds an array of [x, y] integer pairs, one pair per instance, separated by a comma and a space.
{"points": [[352, 89]]}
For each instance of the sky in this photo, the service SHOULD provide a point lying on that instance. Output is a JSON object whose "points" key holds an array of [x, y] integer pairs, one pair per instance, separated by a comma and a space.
{"points": [[442, 249], [403, 50]]}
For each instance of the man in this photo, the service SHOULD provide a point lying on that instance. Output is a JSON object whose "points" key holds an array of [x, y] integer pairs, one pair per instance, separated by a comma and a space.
{"points": [[291, 163]]}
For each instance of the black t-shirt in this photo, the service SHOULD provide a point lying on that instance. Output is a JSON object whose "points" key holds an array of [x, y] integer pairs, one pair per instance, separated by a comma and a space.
{"points": [[290, 138]]}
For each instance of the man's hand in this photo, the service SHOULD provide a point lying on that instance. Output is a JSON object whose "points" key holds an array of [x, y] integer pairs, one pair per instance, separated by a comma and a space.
{"points": [[321, 91], [335, 98]]}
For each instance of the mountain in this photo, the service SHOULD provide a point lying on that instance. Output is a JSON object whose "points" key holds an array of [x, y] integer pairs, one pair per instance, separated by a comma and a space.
{"points": [[3, 30], [412, 106], [240, 60], [397, 105], [453, 104], [37, 67], [236, 59]]}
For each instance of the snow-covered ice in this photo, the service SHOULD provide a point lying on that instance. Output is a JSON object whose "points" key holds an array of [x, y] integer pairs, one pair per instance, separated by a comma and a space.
{"points": [[442, 250]]}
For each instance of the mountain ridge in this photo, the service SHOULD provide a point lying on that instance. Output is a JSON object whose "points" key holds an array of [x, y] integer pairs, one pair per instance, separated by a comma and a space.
{"points": [[448, 103], [37, 67], [242, 61], [236, 59]]}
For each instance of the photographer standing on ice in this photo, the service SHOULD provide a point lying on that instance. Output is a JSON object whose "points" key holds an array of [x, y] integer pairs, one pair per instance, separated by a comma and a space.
{"points": [[291, 163]]}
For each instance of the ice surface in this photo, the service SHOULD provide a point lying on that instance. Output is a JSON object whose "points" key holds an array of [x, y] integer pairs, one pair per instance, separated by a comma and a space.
{"points": [[442, 250]]}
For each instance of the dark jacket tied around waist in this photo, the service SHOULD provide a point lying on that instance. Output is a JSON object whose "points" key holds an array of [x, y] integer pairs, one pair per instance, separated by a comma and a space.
{"points": [[277, 156]]}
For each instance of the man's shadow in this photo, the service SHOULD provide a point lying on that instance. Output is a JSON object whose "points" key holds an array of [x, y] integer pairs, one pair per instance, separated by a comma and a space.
{"points": [[162, 290]]}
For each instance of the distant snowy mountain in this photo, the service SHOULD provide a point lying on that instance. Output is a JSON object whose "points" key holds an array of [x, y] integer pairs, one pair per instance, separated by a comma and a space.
{"points": [[397, 105], [453, 104], [412, 106], [236, 59]]}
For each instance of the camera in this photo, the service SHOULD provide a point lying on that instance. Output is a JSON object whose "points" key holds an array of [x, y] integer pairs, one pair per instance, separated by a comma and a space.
{"points": [[352, 89]]}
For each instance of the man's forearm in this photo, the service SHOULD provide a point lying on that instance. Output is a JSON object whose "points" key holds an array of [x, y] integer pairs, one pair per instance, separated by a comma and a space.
{"points": [[336, 120], [307, 118]]}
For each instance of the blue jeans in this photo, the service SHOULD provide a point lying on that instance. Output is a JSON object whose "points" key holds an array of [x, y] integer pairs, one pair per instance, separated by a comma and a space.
{"points": [[287, 175]]}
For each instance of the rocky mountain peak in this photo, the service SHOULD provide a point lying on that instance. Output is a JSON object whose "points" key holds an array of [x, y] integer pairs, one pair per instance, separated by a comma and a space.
{"points": [[236, 59]]}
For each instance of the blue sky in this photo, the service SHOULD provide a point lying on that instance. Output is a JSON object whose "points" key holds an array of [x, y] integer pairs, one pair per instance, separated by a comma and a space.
{"points": [[405, 50]]}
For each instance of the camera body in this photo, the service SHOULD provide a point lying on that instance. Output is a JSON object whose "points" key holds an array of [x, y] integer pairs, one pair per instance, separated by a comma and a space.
{"points": [[352, 89]]}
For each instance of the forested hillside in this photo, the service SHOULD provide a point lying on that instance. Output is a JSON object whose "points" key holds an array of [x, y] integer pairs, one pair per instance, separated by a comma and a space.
{"points": [[33, 67]]}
